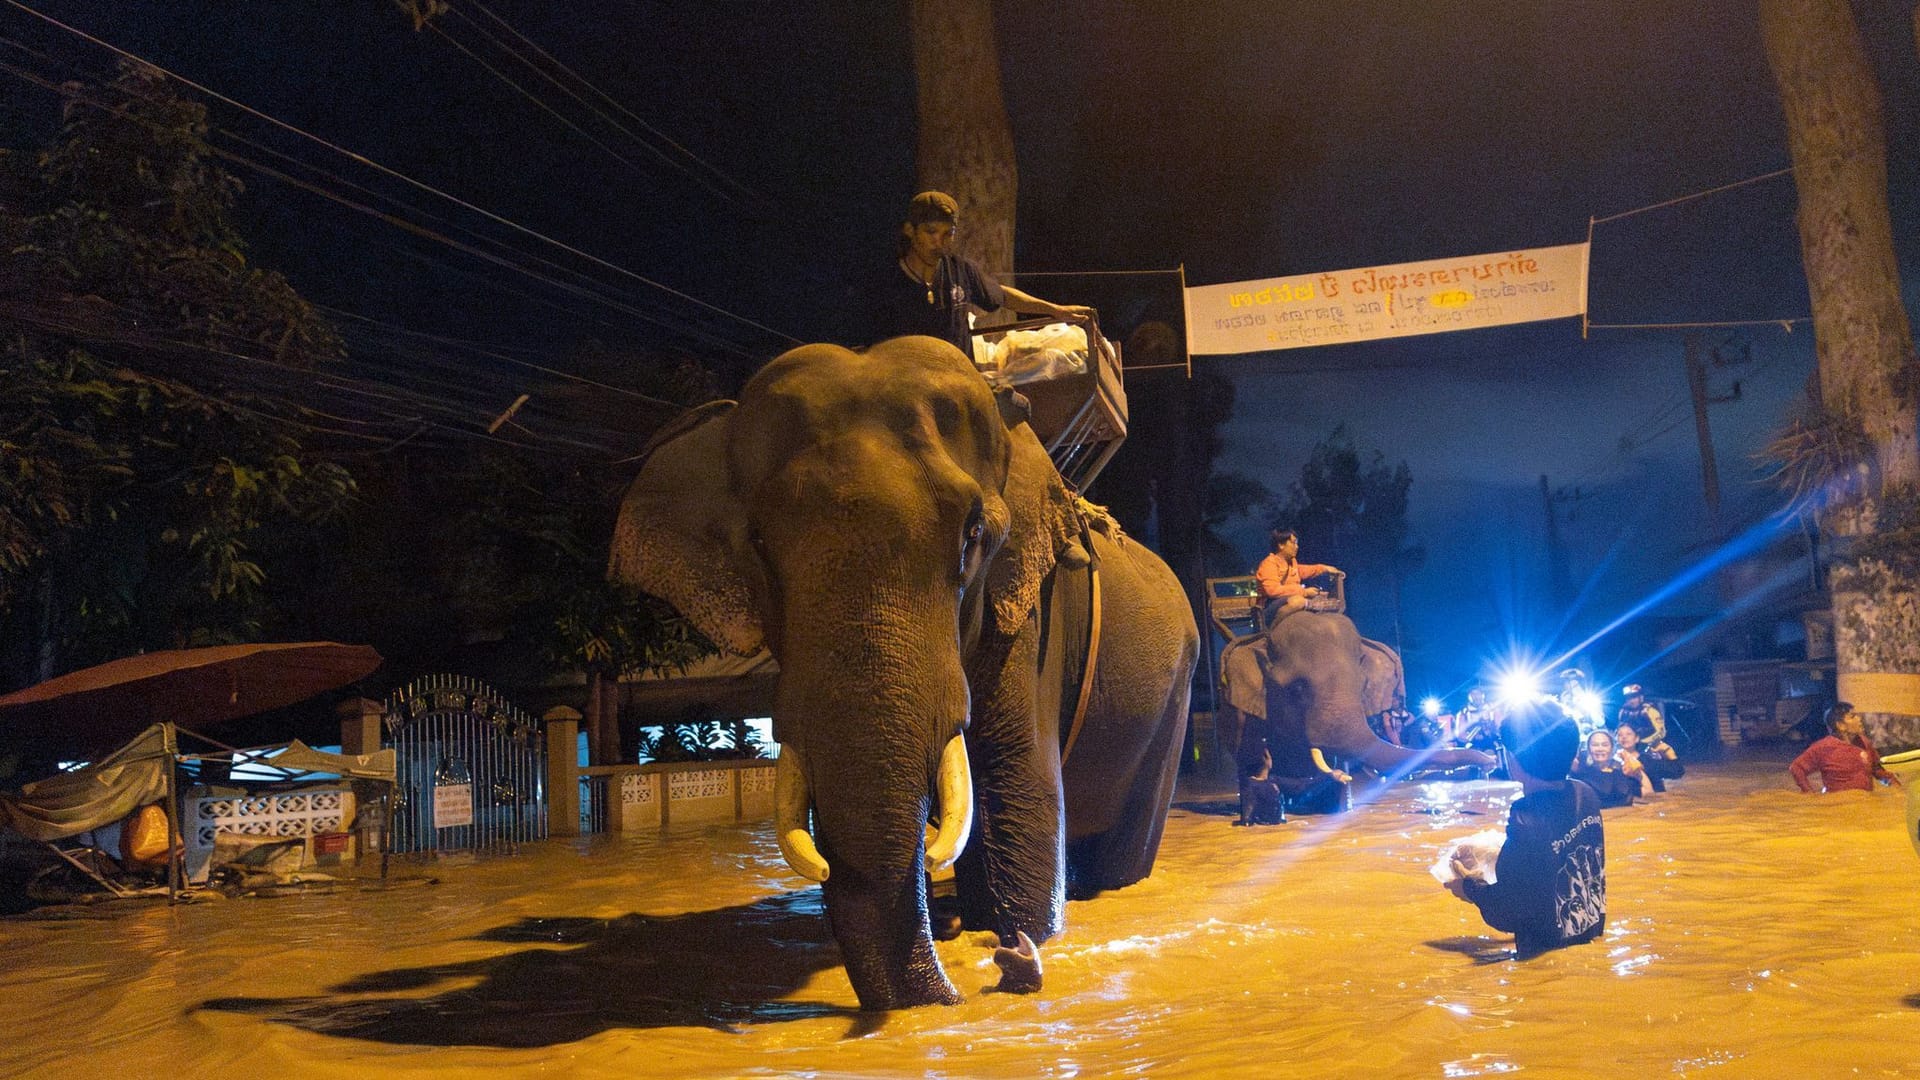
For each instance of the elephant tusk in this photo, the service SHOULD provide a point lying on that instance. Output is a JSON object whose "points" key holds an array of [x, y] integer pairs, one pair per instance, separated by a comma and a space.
{"points": [[791, 801], [955, 787]]}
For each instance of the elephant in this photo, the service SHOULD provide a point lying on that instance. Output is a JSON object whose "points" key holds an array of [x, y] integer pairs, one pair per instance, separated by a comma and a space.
{"points": [[1311, 679], [891, 530]]}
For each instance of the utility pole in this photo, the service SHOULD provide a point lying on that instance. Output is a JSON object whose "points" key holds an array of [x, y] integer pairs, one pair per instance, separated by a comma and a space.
{"points": [[1697, 356]]}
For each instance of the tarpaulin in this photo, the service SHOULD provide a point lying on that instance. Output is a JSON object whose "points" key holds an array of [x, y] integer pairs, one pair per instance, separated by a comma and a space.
{"points": [[71, 803]]}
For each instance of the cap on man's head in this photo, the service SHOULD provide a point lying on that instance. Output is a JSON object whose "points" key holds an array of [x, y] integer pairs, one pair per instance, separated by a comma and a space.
{"points": [[932, 206]]}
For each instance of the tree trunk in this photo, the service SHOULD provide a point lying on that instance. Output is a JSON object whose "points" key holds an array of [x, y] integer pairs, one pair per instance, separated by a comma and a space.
{"points": [[966, 144], [1868, 380]]}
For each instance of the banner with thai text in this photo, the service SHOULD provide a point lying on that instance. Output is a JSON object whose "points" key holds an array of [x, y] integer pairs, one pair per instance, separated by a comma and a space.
{"points": [[1387, 301]]}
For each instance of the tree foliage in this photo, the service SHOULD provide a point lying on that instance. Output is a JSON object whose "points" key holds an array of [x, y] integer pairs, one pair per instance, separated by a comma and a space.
{"points": [[141, 480], [524, 556], [1351, 510], [157, 491]]}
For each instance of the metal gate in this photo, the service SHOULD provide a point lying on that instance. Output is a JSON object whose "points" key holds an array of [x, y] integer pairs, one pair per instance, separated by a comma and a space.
{"points": [[472, 768]]}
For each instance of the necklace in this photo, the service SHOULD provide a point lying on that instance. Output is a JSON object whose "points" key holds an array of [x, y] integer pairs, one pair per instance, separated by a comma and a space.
{"points": [[913, 271]]}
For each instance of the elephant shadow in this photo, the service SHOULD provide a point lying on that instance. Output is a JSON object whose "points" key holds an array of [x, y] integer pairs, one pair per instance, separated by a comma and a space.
{"points": [[721, 969]]}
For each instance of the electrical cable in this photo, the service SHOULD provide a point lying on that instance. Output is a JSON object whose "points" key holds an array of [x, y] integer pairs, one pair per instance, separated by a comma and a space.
{"points": [[485, 256], [610, 121], [610, 100], [665, 321], [421, 185]]}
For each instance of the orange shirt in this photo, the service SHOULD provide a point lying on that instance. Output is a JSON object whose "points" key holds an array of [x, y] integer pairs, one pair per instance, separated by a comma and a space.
{"points": [[1279, 577]]}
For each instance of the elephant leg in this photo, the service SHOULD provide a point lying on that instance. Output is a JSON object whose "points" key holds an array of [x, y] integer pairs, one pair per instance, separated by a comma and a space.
{"points": [[1124, 853], [1011, 878]]}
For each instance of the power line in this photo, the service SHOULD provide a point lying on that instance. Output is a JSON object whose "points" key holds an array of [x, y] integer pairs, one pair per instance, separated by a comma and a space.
{"points": [[589, 289], [582, 291], [611, 121], [1684, 198], [395, 174], [525, 93]]}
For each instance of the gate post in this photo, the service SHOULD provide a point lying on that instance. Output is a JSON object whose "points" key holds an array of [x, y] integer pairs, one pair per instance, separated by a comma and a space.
{"points": [[359, 725], [563, 770]]}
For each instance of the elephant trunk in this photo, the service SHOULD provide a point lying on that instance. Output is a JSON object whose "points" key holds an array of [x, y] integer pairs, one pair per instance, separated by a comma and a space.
{"points": [[1376, 753], [869, 732]]}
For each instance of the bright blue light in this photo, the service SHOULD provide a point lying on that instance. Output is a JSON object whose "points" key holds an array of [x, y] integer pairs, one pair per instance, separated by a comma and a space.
{"points": [[1588, 705], [1430, 707], [1517, 686]]}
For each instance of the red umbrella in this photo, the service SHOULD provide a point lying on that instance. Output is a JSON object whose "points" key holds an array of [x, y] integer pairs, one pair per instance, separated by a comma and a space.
{"points": [[192, 688]]}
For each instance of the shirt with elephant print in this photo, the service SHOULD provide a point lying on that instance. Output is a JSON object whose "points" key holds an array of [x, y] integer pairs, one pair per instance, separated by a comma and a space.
{"points": [[1552, 872]]}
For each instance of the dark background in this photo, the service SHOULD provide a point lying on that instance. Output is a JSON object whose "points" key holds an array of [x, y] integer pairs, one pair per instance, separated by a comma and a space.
{"points": [[1240, 140]]}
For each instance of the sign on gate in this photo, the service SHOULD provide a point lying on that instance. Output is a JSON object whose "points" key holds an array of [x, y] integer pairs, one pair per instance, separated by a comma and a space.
{"points": [[452, 805]]}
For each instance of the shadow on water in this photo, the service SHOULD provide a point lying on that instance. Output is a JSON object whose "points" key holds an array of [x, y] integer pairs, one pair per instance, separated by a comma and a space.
{"points": [[1481, 950], [1221, 807], [718, 969]]}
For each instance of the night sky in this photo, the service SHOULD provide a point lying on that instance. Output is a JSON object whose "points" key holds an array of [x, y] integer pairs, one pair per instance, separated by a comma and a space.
{"points": [[1241, 140]]}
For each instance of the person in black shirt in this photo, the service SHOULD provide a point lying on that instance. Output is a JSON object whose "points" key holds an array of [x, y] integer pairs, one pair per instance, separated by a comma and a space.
{"points": [[1551, 873], [932, 288]]}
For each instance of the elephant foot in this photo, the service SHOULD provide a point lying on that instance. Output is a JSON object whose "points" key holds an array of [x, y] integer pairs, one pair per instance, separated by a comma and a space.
{"points": [[1019, 966]]}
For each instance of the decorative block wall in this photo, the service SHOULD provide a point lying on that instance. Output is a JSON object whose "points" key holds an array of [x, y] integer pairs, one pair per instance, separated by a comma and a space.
{"points": [[263, 818], [654, 795]]}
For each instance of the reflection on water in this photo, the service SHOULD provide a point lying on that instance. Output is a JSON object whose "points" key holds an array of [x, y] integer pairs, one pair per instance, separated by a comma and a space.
{"points": [[1754, 932]]}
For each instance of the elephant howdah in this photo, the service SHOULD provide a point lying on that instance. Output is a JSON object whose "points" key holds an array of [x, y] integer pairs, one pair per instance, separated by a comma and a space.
{"points": [[897, 538]]}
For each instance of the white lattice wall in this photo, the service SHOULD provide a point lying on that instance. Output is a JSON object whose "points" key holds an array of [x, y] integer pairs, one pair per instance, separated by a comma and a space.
{"points": [[649, 798], [264, 817], [638, 790]]}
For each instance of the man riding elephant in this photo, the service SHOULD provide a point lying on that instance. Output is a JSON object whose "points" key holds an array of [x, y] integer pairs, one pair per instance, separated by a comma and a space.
{"points": [[898, 539]]}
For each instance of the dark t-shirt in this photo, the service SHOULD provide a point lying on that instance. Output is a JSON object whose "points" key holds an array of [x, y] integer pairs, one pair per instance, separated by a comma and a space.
{"points": [[903, 305], [1552, 869], [1615, 788]]}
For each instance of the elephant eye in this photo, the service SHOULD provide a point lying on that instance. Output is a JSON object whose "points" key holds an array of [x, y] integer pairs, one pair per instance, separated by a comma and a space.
{"points": [[976, 524]]}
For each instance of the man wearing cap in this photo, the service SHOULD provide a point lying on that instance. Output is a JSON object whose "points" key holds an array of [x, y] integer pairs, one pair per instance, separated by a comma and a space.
{"points": [[1645, 719], [933, 288]]}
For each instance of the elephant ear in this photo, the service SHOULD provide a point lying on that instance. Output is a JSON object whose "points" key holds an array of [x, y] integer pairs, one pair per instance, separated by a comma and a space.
{"points": [[1044, 523], [1384, 680], [682, 535]]}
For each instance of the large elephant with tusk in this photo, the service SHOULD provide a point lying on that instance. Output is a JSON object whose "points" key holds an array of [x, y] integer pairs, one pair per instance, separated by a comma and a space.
{"points": [[1310, 679], [898, 539]]}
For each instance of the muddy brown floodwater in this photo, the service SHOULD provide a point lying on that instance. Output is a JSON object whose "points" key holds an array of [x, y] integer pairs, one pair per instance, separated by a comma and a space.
{"points": [[1753, 932]]}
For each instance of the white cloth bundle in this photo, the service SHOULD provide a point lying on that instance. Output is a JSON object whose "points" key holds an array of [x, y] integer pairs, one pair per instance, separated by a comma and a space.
{"points": [[1022, 356], [1479, 854]]}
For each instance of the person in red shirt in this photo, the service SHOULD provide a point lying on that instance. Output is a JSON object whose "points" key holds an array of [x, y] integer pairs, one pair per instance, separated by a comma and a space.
{"points": [[1282, 577], [1845, 758]]}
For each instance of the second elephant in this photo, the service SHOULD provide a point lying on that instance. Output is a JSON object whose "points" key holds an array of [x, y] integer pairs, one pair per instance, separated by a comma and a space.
{"points": [[1311, 676]]}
